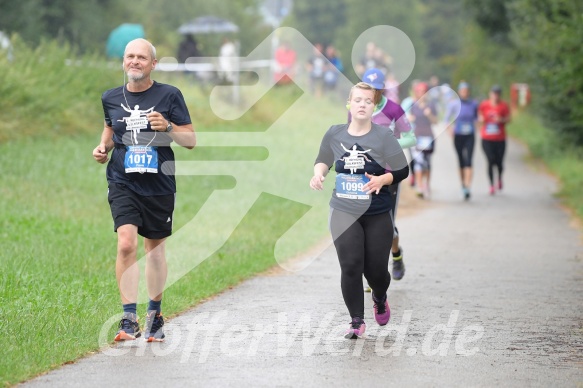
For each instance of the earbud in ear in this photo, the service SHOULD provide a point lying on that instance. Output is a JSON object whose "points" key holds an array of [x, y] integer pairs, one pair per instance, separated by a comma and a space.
{"points": [[348, 106]]}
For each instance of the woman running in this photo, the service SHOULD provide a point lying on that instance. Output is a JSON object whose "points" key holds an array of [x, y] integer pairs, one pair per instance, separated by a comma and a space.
{"points": [[367, 159], [494, 114], [464, 128], [390, 114]]}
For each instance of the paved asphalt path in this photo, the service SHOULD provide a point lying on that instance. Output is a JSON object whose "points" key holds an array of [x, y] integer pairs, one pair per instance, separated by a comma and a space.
{"points": [[492, 296]]}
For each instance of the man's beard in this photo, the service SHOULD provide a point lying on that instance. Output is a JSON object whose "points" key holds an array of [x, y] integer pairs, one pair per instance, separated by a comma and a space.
{"points": [[133, 76]]}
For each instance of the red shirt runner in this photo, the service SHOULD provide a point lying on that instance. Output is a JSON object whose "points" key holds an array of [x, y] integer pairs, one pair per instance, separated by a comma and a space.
{"points": [[492, 129]]}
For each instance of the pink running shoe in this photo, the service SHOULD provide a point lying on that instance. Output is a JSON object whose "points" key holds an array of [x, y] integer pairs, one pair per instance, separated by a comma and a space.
{"points": [[492, 190], [382, 311], [356, 329]]}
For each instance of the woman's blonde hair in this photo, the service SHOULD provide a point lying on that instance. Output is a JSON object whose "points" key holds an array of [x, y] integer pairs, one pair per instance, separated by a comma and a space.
{"points": [[378, 93]]}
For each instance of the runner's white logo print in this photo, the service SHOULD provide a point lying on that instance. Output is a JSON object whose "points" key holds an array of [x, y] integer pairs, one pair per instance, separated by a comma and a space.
{"points": [[355, 159], [137, 119], [169, 219]]}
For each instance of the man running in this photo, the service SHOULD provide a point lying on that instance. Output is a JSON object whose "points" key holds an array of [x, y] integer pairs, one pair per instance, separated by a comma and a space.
{"points": [[141, 182]]}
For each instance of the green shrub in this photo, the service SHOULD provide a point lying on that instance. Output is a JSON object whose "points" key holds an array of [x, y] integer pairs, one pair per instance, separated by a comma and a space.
{"points": [[561, 156]]}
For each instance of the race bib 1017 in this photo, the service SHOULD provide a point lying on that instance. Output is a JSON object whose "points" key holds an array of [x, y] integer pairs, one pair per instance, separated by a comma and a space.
{"points": [[141, 159]]}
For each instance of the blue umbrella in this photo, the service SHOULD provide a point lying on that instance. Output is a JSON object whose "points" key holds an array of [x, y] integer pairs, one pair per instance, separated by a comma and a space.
{"points": [[120, 37]]}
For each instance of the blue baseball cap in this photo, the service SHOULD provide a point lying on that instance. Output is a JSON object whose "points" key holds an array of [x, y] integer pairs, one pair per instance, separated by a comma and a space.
{"points": [[375, 78]]}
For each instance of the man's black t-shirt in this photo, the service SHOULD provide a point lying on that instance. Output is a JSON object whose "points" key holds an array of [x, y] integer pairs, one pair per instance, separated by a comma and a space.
{"points": [[126, 114]]}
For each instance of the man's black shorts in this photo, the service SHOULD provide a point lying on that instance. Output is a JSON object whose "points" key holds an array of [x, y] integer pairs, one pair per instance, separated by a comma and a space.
{"points": [[153, 215]]}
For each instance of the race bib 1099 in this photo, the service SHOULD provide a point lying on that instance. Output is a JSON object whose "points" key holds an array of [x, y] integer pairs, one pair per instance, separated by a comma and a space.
{"points": [[350, 186]]}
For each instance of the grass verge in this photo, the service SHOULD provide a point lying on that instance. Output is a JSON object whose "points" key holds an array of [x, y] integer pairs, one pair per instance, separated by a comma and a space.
{"points": [[563, 159]]}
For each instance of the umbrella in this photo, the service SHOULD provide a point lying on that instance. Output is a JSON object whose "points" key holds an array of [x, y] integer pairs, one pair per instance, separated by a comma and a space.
{"points": [[120, 37], [207, 25]]}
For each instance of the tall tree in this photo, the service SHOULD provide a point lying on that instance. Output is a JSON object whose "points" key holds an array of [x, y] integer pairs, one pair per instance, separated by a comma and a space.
{"points": [[540, 42], [84, 24], [492, 16], [548, 34], [404, 16], [319, 21], [161, 22], [443, 31], [87, 24]]}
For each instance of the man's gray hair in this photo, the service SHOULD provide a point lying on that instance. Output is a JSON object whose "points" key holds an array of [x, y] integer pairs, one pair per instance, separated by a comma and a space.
{"points": [[152, 48]]}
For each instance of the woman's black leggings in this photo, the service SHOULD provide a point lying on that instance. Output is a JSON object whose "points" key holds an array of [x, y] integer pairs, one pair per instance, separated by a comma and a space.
{"points": [[363, 245], [464, 145], [494, 151]]}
